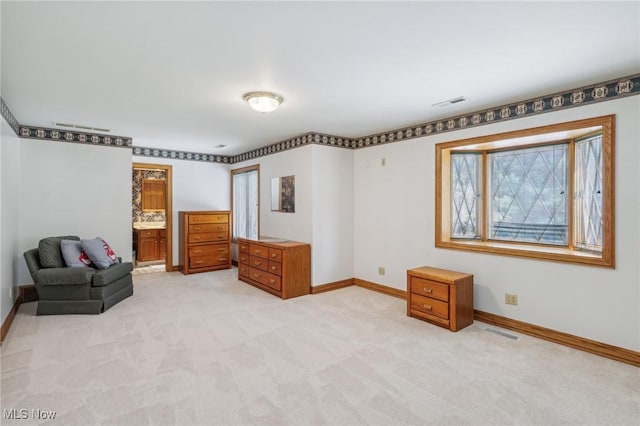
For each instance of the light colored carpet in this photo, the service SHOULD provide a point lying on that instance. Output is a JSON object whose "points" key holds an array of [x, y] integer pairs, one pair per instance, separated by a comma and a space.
{"points": [[207, 349]]}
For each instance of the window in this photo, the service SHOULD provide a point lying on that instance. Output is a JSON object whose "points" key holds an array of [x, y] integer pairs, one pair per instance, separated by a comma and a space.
{"points": [[535, 193], [245, 190]]}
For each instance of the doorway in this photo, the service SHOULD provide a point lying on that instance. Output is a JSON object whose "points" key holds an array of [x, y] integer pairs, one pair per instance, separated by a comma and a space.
{"points": [[152, 217]]}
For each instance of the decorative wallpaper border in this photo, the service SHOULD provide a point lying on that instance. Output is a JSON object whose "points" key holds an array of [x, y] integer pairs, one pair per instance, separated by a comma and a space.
{"points": [[599, 92], [58, 135], [586, 95], [179, 155], [6, 113], [295, 142]]}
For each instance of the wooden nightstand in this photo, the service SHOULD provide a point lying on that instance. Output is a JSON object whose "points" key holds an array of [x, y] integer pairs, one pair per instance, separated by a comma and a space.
{"points": [[439, 296]]}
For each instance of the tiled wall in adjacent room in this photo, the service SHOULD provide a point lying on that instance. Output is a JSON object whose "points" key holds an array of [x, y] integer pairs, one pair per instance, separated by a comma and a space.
{"points": [[138, 214]]}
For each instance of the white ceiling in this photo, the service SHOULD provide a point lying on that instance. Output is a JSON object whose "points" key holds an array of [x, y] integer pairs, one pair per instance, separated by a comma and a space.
{"points": [[172, 74]]}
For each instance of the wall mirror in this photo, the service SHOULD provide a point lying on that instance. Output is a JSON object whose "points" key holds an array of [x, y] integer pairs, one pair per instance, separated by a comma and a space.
{"points": [[283, 194]]}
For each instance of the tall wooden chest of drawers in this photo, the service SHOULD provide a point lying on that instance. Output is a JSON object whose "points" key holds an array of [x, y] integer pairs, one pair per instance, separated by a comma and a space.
{"points": [[205, 241], [442, 297], [280, 268]]}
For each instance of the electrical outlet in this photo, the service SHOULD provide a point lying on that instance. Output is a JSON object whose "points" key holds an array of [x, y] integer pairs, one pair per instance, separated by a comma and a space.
{"points": [[11, 293], [381, 270], [383, 162], [510, 299]]}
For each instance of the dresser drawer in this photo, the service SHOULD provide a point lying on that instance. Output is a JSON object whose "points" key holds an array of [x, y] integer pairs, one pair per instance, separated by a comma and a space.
{"points": [[275, 255], [243, 271], [200, 218], [243, 247], [211, 260], [207, 236], [243, 258], [207, 227], [259, 263], [265, 278], [275, 268], [430, 306], [430, 288], [260, 251], [209, 250]]}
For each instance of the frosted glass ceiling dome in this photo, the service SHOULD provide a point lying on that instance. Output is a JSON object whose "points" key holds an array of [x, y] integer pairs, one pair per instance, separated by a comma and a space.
{"points": [[263, 101]]}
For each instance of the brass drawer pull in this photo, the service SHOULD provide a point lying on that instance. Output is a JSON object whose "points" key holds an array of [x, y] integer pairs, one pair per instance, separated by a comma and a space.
{"points": [[274, 255], [428, 290], [222, 259], [197, 251], [272, 281], [273, 268], [222, 249], [257, 263], [257, 275], [197, 228], [199, 262], [427, 307]]}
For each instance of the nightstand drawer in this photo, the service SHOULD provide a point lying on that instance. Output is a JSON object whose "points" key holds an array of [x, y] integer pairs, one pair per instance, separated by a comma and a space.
{"points": [[430, 289], [430, 306]]}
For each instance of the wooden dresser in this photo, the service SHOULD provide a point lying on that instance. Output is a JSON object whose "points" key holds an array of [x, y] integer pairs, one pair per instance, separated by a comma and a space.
{"points": [[205, 241], [280, 268], [442, 297]]}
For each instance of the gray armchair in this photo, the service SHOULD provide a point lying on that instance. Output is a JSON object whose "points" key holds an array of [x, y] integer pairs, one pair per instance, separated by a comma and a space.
{"points": [[66, 290]]}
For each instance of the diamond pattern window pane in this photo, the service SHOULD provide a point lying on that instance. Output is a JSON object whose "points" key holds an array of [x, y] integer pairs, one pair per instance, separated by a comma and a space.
{"points": [[465, 180], [588, 194], [528, 200]]}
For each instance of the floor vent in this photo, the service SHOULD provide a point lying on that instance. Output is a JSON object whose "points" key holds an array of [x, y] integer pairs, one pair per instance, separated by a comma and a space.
{"points": [[502, 333]]}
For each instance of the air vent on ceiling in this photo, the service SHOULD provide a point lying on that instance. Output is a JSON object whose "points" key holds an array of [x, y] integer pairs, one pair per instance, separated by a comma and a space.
{"points": [[81, 127], [219, 146], [450, 102]]}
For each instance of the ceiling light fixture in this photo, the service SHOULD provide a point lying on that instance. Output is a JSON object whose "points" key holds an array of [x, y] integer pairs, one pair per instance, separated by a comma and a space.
{"points": [[263, 101]]}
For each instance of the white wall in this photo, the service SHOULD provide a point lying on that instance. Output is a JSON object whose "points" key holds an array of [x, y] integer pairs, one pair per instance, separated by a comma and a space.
{"points": [[196, 186], [324, 206], [394, 227], [9, 217], [74, 189], [332, 204], [292, 226]]}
